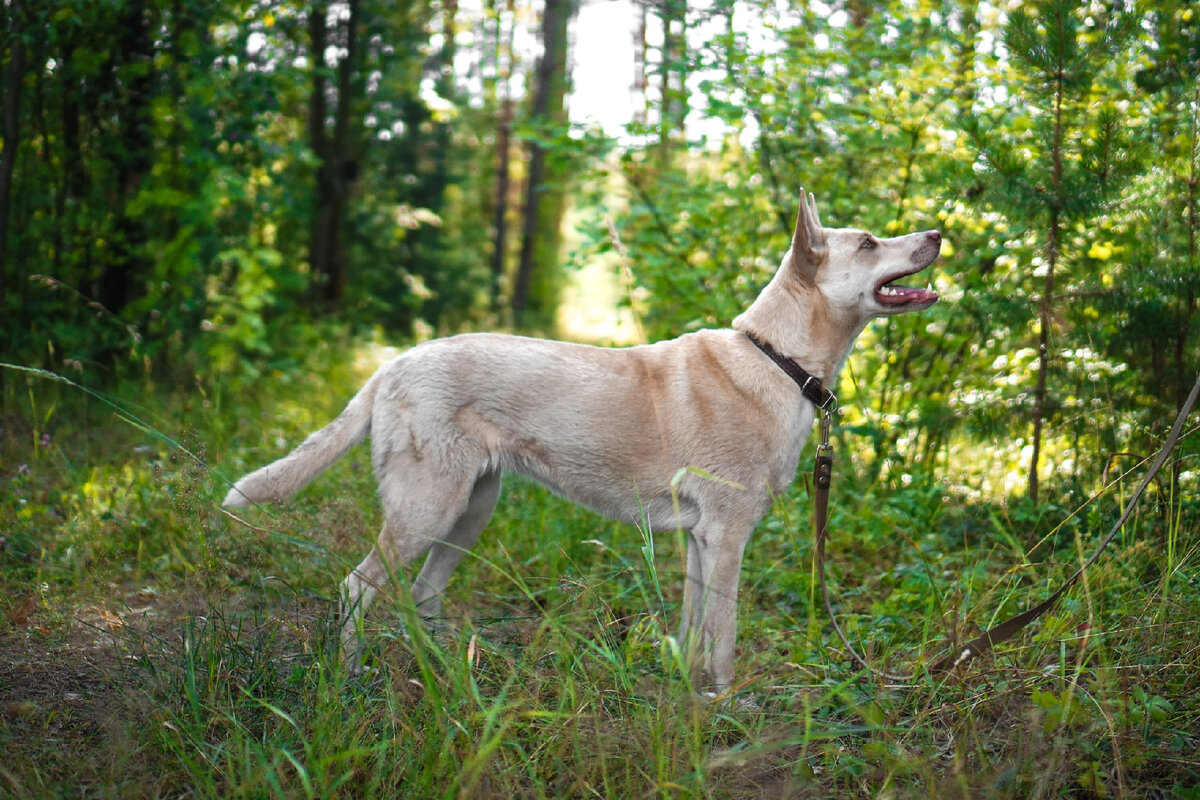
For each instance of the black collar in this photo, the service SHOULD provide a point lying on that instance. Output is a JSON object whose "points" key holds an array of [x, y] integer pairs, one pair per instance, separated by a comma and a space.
{"points": [[810, 385]]}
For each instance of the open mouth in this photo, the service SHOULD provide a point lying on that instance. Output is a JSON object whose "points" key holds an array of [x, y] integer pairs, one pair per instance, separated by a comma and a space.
{"points": [[889, 294]]}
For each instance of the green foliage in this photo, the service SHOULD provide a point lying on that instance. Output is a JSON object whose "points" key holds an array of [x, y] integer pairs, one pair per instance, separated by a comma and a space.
{"points": [[165, 184]]}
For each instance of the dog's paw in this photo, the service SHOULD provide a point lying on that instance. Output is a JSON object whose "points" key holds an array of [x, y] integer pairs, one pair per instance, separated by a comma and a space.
{"points": [[729, 701], [360, 672], [353, 662]]}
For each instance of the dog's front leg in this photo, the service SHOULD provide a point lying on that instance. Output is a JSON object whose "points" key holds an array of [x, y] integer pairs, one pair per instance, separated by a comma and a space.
{"points": [[693, 593], [718, 557]]}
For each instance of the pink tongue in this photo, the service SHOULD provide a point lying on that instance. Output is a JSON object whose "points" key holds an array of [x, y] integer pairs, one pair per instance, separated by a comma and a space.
{"points": [[903, 294]]}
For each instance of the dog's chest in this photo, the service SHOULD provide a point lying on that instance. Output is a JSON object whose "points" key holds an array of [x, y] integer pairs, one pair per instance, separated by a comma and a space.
{"points": [[792, 441]]}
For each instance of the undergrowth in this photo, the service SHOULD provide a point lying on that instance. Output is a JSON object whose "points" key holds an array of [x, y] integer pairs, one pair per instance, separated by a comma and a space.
{"points": [[153, 646]]}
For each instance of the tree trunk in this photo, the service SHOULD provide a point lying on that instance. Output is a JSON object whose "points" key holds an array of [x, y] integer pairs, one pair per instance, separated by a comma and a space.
{"points": [[500, 218], [533, 188], [318, 242], [673, 77], [127, 264], [1046, 305], [74, 179], [13, 74], [504, 118], [641, 75], [1040, 390], [1182, 373], [541, 238], [337, 168]]}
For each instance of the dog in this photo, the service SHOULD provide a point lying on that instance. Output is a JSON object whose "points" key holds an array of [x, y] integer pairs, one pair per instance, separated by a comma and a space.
{"points": [[614, 429]]}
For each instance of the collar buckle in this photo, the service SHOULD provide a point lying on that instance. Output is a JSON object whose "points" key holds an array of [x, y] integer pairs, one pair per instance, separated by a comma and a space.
{"points": [[810, 385]]}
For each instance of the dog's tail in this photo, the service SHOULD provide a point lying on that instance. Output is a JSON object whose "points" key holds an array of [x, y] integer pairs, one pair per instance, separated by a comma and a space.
{"points": [[281, 479]]}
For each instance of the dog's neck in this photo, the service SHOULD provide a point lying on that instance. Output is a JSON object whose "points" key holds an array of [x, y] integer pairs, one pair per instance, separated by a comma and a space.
{"points": [[795, 319]]}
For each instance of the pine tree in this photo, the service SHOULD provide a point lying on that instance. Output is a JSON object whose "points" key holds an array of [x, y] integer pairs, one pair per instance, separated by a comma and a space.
{"points": [[1049, 166]]}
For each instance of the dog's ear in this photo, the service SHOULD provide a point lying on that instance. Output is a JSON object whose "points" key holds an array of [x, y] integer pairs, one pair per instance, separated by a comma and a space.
{"points": [[810, 248]]}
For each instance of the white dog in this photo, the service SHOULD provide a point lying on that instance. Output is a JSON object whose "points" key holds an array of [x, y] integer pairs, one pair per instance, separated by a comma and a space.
{"points": [[613, 428]]}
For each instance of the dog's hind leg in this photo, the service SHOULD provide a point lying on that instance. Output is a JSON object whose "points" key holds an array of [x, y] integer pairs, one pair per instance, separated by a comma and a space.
{"points": [[357, 591], [419, 511], [445, 555]]}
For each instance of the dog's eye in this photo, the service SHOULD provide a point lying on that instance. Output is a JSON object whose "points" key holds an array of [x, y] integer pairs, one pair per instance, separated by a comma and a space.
{"points": [[868, 244]]}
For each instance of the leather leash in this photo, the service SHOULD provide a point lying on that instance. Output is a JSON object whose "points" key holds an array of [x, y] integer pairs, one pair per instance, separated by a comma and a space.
{"points": [[1007, 629], [822, 477]]}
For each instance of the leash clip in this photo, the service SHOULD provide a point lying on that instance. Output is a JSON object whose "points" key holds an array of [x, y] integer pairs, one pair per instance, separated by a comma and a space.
{"points": [[823, 465], [826, 423]]}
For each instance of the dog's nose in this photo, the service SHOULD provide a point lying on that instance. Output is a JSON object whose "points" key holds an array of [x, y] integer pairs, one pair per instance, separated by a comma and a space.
{"points": [[934, 236]]}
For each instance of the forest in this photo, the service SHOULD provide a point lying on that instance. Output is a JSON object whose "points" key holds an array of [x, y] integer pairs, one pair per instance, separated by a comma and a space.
{"points": [[216, 219]]}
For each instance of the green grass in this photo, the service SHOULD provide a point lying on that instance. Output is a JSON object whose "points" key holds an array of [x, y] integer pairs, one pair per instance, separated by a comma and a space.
{"points": [[151, 646]]}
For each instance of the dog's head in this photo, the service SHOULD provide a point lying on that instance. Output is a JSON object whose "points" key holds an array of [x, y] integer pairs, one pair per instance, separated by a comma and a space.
{"points": [[856, 271]]}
